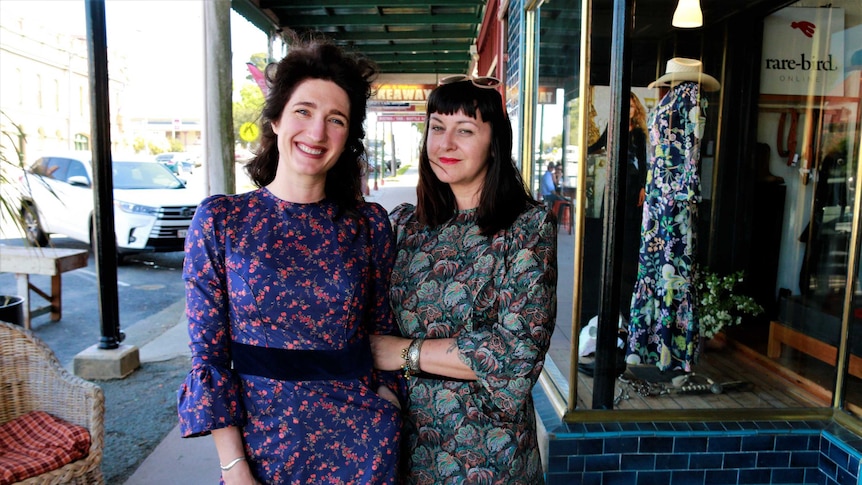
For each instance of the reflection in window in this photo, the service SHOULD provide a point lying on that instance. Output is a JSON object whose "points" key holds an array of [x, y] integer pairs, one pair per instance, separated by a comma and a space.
{"points": [[781, 209]]}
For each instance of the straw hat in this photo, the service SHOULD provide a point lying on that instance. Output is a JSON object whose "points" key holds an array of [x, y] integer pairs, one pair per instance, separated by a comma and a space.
{"points": [[683, 69]]}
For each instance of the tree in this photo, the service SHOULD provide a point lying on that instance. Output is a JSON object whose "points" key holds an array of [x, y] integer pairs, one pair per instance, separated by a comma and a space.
{"points": [[250, 104], [260, 60], [556, 142], [248, 108]]}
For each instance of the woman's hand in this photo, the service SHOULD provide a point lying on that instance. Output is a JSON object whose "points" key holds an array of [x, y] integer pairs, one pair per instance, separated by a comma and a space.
{"points": [[390, 396], [387, 349], [240, 474]]}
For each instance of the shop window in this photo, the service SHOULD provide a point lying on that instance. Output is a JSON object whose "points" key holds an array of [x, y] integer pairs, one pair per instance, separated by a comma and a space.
{"points": [[780, 210], [808, 129]]}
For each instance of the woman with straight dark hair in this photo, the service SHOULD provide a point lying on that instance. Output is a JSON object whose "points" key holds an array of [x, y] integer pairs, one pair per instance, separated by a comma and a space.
{"points": [[474, 293], [284, 286]]}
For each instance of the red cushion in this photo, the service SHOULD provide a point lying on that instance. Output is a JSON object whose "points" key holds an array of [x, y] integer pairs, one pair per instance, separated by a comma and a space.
{"points": [[38, 442]]}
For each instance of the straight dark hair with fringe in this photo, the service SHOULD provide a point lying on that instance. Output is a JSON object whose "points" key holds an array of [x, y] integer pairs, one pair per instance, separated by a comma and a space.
{"points": [[504, 195], [318, 57]]}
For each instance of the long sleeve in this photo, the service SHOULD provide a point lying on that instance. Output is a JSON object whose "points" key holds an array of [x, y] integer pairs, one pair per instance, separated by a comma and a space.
{"points": [[209, 397], [508, 355], [679, 147], [380, 310]]}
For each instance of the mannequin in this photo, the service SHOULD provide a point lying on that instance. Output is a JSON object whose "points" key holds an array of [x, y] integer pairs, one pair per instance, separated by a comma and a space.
{"points": [[663, 327]]}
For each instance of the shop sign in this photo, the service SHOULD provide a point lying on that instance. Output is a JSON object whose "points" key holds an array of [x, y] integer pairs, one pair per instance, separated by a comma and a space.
{"points": [[402, 92], [803, 52], [547, 95], [391, 106], [405, 118]]}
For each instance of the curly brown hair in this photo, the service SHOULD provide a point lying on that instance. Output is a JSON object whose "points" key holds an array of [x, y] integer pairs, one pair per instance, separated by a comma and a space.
{"points": [[318, 57]]}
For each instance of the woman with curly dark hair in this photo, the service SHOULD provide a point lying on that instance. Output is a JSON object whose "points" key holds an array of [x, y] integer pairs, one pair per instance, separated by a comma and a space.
{"points": [[284, 286]]}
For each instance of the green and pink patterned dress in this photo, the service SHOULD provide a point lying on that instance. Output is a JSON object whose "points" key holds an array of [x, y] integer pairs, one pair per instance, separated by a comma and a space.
{"points": [[497, 297]]}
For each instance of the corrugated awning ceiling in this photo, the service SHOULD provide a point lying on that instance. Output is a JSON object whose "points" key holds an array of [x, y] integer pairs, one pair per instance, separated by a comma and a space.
{"points": [[402, 36]]}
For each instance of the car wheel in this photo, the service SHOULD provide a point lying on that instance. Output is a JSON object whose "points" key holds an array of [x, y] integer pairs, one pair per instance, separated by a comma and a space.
{"points": [[36, 236]]}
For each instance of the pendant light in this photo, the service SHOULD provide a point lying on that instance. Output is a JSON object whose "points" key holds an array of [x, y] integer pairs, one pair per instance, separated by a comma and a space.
{"points": [[688, 14]]}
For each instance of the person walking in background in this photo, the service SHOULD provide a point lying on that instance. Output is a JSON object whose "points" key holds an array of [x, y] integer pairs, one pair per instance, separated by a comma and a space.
{"points": [[548, 186], [474, 294], [284, 285], [560, 182]]}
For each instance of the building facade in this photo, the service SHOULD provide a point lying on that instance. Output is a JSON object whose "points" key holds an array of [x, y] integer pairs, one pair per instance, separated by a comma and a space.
{"points": [[45, 91], [775, 183]]}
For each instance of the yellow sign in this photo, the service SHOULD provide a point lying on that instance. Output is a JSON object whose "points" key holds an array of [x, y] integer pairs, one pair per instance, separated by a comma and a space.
{"points": [[402, 92], [249, 131]]}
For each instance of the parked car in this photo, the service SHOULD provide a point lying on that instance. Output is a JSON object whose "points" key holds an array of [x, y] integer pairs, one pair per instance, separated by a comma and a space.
{"points": [[382, 166], [178, 162], [152, 207], [242, 155]]}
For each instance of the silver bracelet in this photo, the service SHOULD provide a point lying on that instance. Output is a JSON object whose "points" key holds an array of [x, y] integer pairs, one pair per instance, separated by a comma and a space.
{"points": [[230, 465], [413, 355]]}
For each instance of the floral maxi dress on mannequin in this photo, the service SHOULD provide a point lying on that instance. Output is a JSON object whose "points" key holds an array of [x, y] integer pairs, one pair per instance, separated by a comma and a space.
{"points": [[663, 318]]}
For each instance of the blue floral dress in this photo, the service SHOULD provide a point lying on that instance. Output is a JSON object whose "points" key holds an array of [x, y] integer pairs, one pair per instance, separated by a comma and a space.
{"points": [[663, 324], [497, 297], [281, 298]]}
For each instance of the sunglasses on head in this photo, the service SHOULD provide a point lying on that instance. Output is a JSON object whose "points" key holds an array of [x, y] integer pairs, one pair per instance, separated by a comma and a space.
{"points": [[484, 82]]}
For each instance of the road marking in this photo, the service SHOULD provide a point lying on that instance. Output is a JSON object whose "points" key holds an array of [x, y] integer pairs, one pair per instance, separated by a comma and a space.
{"points": [[95, 277]]}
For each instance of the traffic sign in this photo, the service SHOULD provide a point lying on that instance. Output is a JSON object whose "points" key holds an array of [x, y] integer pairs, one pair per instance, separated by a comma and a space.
{"points": [[249, 131]]}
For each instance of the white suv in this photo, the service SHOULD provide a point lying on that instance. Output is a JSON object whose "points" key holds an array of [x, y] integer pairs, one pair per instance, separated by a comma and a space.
{"points": [[152, 207]]}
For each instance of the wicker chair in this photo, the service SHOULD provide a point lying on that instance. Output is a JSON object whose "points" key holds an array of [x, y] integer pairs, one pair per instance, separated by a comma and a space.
{"points": [[32, 379]]}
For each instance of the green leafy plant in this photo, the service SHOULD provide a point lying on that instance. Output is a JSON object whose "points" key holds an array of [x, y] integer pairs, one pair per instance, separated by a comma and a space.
{"points": [[15, 189], [12, 140], [718, 304]]}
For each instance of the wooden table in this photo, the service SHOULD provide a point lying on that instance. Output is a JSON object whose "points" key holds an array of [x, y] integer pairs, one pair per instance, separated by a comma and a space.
{"points": [[53, 262]]}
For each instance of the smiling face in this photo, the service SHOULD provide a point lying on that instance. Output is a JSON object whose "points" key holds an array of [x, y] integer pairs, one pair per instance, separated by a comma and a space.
{"points": [[312, 130], [458, 147]]}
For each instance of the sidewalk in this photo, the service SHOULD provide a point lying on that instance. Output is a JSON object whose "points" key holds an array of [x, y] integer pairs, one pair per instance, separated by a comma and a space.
{"points": [[191, 461]]}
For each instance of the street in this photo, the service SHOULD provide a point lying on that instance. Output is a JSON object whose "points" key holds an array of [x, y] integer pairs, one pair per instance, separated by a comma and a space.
{"points": [[146, 283]]}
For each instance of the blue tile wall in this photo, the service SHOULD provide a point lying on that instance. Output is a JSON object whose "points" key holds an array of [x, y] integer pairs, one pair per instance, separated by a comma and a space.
{"points": [[693, 453], [775, 452]]}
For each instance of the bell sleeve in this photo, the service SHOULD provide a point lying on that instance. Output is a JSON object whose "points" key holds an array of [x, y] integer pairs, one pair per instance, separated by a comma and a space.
{"points": [[209, 397]]}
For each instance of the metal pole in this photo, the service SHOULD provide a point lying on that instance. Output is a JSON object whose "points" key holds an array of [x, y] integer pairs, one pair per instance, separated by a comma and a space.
{"points": [[393, 167], [105, 241], [377, 160], [612, 232]]}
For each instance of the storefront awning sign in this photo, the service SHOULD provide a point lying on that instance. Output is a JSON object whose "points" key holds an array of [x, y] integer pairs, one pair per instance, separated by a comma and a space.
{"points": [[417, 93]]}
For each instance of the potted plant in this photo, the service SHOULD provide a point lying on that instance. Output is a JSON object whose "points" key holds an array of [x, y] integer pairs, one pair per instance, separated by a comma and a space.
{"points": [[718, 304], [11, 139]]}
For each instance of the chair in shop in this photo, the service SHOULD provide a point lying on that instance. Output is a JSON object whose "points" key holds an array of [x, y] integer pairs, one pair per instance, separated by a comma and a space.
{"points": [[564, 213]]}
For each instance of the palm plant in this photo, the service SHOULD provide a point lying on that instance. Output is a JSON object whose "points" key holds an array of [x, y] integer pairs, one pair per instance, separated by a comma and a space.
{"points": [[9, 191], [11, 140], [15, 215]]}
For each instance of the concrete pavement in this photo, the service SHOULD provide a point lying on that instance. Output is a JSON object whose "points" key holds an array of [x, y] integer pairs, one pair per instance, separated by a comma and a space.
{"points": [[191, 461]]}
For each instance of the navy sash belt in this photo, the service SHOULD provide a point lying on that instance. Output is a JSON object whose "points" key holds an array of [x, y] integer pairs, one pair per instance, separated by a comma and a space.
{"points": [[351, 362]]}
